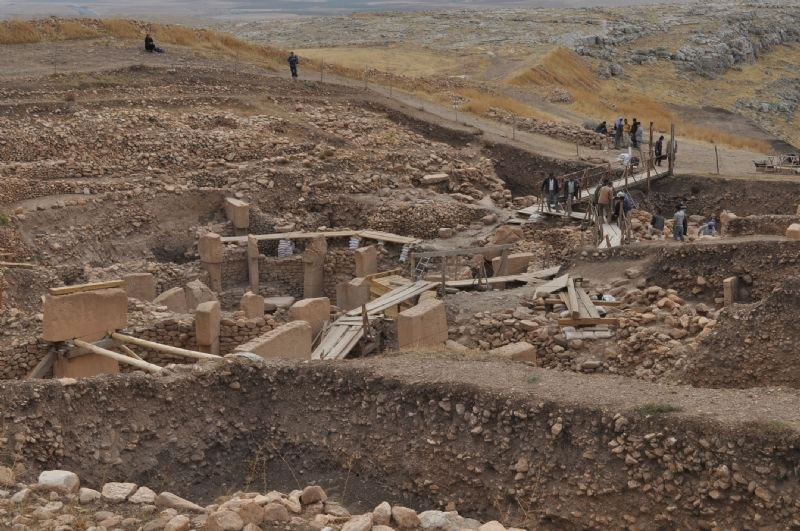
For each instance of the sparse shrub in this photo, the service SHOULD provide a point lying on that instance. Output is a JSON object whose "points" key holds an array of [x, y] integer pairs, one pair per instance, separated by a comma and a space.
{"points": [[4, 221]]}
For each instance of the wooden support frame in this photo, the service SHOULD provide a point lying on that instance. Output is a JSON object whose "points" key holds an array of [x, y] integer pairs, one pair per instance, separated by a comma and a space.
{"points": [[463, 252], [609, 304], [80, 288], [139, 364], [589, 322], [163, 348], [572, 299]]}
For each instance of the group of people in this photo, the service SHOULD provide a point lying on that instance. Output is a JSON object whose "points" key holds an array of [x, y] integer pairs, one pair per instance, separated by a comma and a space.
{"points": [[552, 187], [630, 135], [680, 224], [609, 204]]}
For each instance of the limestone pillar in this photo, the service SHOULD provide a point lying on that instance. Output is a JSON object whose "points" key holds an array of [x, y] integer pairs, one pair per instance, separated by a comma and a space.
{"points": [[210, 248], [730, 288], [313, 268], [206, 327], [366, 261], [252, 263], [238, 213], [252, 305]]}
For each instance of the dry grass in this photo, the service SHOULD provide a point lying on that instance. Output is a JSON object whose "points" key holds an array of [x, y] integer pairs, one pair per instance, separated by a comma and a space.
{"points": [[18, 32], [558, 67], [480, 102]]}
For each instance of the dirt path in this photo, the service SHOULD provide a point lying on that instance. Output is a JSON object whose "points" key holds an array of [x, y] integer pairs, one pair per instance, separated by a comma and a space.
{"points": [[91, 56], [763, 407]]}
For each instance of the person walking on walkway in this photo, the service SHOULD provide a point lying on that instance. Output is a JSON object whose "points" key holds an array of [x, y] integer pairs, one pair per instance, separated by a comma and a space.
{"points": [[551, 188], [604, 199], [659, 150], [618, 133], [572, 192], [293, 60]]}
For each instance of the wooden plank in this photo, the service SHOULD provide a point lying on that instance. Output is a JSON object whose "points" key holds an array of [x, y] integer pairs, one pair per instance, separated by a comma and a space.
{"points": [[79, 288], [462, 252], [296, 235], [609, 304], [588, 322], [392, 272], [572, 299], [545, 273], [470, 282], [139, 364], [387, 237], [613, 236], [548, 288], [587, 304], [17, 265], [503, 269], [163, 348], [43, 367]]}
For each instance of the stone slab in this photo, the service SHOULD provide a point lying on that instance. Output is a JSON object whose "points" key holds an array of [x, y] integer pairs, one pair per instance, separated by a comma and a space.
{"points": [[289, 341], [140, 286], [84, 366], [313, 311], [422, 325], [87, 315], [237, 212], [174, 299], [522, 351]]}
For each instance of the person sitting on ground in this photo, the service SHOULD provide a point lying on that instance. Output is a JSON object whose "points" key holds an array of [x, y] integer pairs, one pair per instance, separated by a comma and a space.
{"points": [[657, 223], [150, 45], [602, 128], [550, 187], [678, 221]]}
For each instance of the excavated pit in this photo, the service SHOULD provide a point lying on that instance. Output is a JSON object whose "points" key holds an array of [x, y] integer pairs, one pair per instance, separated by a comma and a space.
{"points": [[497, 440]]}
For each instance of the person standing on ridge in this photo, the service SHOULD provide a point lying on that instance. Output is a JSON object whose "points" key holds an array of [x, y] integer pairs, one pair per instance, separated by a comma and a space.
{"points": [[293, 60]]}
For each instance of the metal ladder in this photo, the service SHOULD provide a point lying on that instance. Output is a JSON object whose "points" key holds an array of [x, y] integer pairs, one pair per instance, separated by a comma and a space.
{"points": [[421, 266]]}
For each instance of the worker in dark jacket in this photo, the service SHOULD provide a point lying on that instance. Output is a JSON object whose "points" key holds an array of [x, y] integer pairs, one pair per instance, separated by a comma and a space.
{"points": [[150, 45], [551, 188], [659, 150], [602, 128], [293, 60]]}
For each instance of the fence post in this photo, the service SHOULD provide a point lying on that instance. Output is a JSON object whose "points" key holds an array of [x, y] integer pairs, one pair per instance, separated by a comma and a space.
{"points": [[716, 154], [321, 69], [671, 148]]}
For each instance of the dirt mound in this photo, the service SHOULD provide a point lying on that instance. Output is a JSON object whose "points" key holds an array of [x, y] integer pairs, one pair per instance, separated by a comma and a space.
{"points": [[752, 345]]}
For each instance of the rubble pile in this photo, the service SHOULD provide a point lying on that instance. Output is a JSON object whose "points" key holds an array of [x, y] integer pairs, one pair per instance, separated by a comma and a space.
{"points": [[59, 502], [753, 345], [561, 130]]}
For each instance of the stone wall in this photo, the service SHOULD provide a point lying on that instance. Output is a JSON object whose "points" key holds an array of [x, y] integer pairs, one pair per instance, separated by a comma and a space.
{"points": [[527, 457], [765, 225]]}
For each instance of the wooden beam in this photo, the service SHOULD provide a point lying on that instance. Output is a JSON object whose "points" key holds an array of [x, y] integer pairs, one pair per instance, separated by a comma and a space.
{"points": [[43, 367], [462, 252], [17, 265], [139, 364], [163, 348], [383, 274], [129, 352], [78, 288], [609, 304], [588, 322], [572, 299]]}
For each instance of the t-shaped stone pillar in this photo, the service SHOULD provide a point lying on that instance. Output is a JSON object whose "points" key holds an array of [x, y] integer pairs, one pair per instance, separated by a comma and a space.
{"points": [[366, 261], [252, 263], [206, 327], [210, 248], [313, 268]]}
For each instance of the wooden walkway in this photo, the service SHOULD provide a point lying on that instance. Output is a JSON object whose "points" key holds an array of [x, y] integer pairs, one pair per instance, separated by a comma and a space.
{"points": [[300, 235], [587, 193], [612, 236], [347, 331]]}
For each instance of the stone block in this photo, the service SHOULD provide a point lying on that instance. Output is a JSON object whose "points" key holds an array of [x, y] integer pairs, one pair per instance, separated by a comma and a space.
{"points": [[174, 299], [278, 303], [140, 286], [366, 261], [517, 263], [84, 366], [206, 325], [210, 248], [86, 315], [522, 351], [724, 219], [313, 311], [730, 290], [446, 232], [289, 341], [197, 293], [252, 305], [62, 480], [435, 178], [352, 294], [793, 232], [237, 212], [314, 267], [423, 325]]}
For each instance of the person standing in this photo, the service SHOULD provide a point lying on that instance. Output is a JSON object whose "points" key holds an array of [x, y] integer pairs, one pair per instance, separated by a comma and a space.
{"points": [[657, 223], [639, 135], [659, 150], [678, 221], [551, 188], [572, 192], [626, 132], [618, 133], [634, 131], [604, 199], [293, 60]]}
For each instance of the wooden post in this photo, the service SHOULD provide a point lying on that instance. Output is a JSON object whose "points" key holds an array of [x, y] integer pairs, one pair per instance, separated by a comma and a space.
{"points": [[577, 150], [651, 161], [671, 148], [716, 155], [444, 280], [365, 78], [321, 70], [573, 299], [365, 321]]}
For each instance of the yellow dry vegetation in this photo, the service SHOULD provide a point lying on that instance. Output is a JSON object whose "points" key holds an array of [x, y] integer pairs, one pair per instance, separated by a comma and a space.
{"points": [[479, 102], [402, 60], [613, 98], [18, 32]]}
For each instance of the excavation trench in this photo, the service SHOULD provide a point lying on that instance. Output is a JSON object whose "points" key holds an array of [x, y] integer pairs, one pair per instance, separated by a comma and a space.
{"points": [[497, 440]]}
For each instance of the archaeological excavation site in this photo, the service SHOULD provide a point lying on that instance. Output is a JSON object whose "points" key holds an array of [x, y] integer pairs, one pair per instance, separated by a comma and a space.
{"points": [[231, 300]]}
